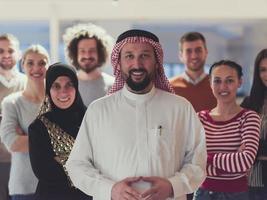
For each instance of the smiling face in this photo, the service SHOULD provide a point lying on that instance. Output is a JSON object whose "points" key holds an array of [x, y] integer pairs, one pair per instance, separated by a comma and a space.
{"points": [[35, 66], [225, 83], [138, 65], [87, 55], [63, 92], [8, 54], [193, 54]]}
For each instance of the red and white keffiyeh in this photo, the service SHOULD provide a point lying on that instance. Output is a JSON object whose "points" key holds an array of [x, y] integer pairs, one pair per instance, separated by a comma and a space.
{"points": [[161, 81]]}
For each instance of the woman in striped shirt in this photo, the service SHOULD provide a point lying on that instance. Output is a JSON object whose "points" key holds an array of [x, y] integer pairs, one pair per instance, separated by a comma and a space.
{"points": [[257, 101], [232, 136]]}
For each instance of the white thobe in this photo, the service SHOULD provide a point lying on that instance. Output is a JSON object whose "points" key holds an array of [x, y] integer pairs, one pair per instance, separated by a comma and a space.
{"points": [[128, 135]]}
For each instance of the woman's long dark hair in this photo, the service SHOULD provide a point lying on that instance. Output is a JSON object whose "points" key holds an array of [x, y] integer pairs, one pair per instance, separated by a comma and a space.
{"points": [[257, 93]]}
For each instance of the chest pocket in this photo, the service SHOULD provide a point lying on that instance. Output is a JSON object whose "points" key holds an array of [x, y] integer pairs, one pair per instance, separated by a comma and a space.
{"points": [[161, 143]]}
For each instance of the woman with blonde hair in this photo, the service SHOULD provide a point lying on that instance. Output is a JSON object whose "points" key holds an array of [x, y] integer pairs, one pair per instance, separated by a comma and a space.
{"points": [[18, 111]]}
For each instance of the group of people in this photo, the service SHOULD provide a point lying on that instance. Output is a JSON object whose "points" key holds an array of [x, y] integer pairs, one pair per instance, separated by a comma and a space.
{"points": [[75, 132], [61, 90]]}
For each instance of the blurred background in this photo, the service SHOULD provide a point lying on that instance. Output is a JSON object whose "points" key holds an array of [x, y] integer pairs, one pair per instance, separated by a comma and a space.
{"points": [[234, 29]]}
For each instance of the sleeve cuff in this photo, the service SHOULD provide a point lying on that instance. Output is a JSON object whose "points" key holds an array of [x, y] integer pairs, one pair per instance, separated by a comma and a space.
{"points": [[104, 190]]}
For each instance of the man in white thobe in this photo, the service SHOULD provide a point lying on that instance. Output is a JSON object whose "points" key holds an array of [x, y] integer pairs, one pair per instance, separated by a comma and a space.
{"points": [[141, 141]]}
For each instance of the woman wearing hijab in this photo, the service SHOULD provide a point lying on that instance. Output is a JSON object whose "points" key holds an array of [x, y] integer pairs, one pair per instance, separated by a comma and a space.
{"points": [[52, 134]]}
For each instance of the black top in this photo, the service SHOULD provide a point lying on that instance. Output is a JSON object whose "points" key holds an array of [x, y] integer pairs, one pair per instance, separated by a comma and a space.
{"points": [[262, 149], [53, 181]]}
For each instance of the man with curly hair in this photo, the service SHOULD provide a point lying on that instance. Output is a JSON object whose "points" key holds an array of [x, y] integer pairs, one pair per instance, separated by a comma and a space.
{"points": [[87, 48]]}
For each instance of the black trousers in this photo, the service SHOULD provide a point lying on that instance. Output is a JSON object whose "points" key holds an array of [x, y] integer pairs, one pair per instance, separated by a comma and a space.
{"points": [[4, 177]]}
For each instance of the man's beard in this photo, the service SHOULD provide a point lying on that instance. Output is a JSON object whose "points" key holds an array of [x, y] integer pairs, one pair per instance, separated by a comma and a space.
{"points": [[139, 86], [88, 68], [197, 68], [6, 67]]}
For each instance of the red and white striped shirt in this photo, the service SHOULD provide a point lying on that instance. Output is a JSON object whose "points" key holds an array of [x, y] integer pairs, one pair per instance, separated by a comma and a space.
{"points": [[226, 166]]}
